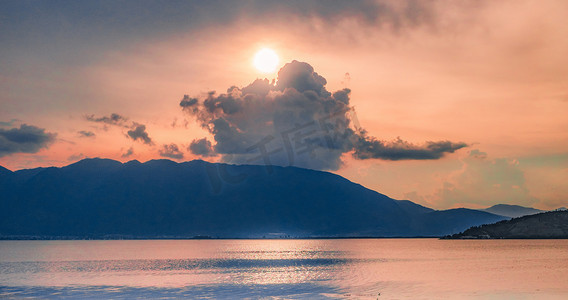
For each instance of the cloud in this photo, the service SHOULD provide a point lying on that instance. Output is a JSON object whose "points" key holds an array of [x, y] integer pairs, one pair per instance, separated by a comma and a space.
{"points": [[171, 151], [369, 147], [143, 19], [84, 133], [295, 121], [138, 132], [128, 153], [201, 147], [188, 103], [483, 182], [113, 119], [25, 139]]}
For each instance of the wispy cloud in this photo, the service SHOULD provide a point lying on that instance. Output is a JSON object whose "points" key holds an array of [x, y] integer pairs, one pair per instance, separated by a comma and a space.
{"points": [[128, 153], [113, 119], [84, 133], [137, 131]]}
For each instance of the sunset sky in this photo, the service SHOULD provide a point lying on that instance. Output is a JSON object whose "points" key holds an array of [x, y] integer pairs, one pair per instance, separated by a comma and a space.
{"points": [[449, 103]]}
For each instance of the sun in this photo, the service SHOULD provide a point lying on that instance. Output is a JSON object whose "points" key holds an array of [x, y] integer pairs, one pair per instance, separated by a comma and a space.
{"points": [[266, 60]]}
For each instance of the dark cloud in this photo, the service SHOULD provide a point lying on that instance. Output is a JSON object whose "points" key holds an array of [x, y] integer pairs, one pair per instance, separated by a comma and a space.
{"points": [[128, 153], [301, 77], [25, 139], [188, 102], [369, 147], [84, 133], [171, 151], [144, 18], [201, 147], [113, 119], [295, 121], [138, 132]]}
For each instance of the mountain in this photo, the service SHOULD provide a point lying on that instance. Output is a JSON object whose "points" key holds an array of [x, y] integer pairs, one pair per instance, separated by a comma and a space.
{"points": [[547, 225], [4, 171], [101, 198], [512, 211], [412, 207]]}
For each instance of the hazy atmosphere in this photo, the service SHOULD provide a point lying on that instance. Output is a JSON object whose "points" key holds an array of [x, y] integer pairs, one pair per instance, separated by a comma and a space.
{"points": [[444, 103]]}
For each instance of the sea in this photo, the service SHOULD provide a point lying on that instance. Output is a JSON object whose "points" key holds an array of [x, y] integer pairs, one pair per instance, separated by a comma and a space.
{"points": [[284, 269]]}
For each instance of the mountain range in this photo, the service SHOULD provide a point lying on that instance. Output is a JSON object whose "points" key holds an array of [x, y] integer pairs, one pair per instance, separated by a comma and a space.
{"points": [[512, 211], [102, 198], [546, 225]]}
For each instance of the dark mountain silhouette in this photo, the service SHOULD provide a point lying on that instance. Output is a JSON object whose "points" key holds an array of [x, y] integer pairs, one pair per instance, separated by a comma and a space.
{"points": [[4, 171], [101, 198], [547, 225], [412, 207], [512, 211]]}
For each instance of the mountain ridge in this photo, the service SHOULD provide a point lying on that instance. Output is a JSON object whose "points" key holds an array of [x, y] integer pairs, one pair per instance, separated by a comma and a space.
{"points": [[545, 225], [101, 197], [512, 211]]}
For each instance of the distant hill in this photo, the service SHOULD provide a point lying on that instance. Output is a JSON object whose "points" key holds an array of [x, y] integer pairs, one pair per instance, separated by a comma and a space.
{"points": [[101, 198], [547, 225], [512, 211]]}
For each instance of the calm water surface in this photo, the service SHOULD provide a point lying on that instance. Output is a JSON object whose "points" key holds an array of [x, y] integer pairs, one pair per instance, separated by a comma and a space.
{"points": [[345, 269]]}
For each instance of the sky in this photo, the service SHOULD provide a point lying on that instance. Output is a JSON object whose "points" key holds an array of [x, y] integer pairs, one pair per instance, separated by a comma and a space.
{"points": [[445, 103]]}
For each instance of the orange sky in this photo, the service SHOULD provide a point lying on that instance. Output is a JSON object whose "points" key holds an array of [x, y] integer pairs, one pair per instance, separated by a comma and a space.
{"points": [[490, 74]]}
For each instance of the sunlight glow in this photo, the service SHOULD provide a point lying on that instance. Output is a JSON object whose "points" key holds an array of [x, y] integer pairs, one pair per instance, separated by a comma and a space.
{"points": [[266, 60]]}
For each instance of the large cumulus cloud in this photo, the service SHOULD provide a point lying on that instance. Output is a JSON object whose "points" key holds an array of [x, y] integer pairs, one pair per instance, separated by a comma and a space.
{"points": [[295, 121], [25, 139]]}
